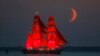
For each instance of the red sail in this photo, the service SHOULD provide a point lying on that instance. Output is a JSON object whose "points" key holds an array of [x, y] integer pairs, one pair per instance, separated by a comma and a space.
{"points": [[36, 37], [55, 39]]}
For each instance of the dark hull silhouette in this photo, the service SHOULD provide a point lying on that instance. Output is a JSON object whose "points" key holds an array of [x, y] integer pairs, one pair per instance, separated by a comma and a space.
{"points": [[58, 51]]}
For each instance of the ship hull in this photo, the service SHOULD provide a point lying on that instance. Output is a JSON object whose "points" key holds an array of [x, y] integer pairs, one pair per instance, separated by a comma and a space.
{"points": [[58, 51]]}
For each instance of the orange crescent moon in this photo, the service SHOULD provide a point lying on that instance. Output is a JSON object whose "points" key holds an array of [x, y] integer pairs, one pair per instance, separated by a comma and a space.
{"points": [[73, 15]]}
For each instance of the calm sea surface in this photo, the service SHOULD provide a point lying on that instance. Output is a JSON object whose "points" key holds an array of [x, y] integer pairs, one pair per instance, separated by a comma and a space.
{"points": [[62, 54]]}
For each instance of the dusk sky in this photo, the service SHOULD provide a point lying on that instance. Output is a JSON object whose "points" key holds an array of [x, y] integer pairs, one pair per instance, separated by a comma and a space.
{"points": [[16, 18]]}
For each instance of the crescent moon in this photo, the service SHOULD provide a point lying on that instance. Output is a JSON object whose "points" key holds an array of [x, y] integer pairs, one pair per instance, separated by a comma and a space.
{"points": [[73, 15]]}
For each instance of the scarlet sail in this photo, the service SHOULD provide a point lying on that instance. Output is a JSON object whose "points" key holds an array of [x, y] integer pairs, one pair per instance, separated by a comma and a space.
{"points": [[44, 38]]}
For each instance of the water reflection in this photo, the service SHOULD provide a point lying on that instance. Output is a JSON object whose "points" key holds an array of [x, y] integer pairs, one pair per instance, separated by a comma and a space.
{"points": [[43, 55]]}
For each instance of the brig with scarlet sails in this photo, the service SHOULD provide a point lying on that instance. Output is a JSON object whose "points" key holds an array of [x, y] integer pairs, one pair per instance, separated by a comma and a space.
{"points": [[43, 38]]}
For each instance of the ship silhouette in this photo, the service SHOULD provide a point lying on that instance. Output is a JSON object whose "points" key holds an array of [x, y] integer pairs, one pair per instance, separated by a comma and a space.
{"points": [[44, 39]]}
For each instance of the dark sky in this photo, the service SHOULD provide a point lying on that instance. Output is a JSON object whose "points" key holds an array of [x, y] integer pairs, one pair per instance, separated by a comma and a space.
{"points": [[16, 17]]}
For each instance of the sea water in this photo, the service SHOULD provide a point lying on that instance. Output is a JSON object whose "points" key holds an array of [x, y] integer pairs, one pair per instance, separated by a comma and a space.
{"points": [[62, 54]]}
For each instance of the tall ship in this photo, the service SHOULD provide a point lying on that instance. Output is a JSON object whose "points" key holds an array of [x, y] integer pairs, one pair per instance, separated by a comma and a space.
{"points": [[45, 38]]}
